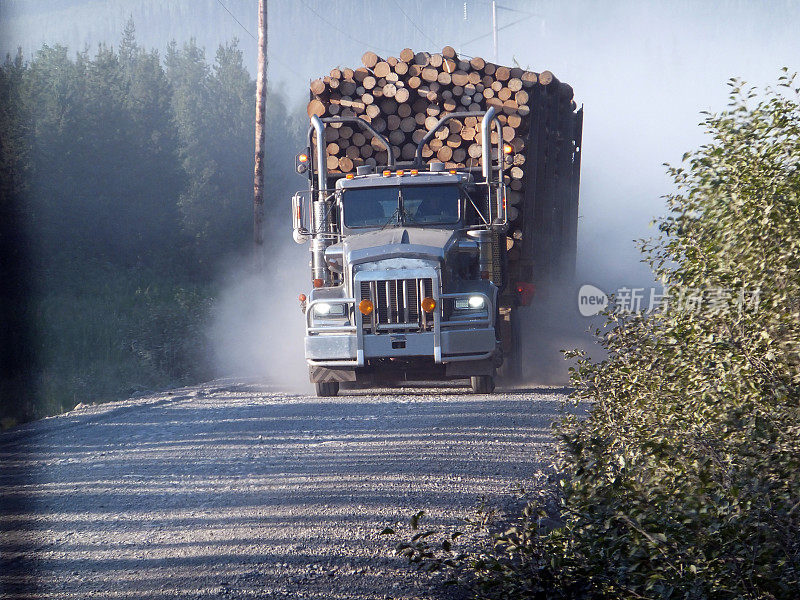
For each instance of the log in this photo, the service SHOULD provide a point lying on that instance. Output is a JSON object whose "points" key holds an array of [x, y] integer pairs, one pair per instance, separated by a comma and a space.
{"points": [[407, 55], [418, 135], [369, 59], [522, 97], [317, 87], [502, 73], [403, 110], [422, 59], [369, 82], [378, 124], [449, 65], [397, 137], [332, 163], [358, 139], [408, 151], [382, 69], [407, 125], [401, 68], [392, 122], [332, 148], [331, 134], [545, 78], [448, 52], [402, 95], [477, 63], [444, 78], [345, 164], [353, 152], [315, 107], [444, 153], [392, 60], [529, 79], [514, 84], [454, 140], [367, 150], [359, 74], [414, 82], [459, 155], [436, 60], [430, 74], [389, 90]]}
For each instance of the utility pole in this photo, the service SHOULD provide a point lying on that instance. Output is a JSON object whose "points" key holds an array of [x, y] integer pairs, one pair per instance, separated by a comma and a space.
{"points": [[261, 112], [494, 28]]}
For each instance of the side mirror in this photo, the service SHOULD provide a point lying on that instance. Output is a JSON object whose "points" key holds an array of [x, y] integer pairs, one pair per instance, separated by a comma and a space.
{"points": [[299, 232]]}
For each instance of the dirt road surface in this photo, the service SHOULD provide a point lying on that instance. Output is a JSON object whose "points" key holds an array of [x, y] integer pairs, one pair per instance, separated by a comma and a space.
{"points": [[234, 490]]}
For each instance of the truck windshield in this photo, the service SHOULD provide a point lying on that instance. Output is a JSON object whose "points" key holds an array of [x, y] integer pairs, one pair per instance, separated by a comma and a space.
{"points": [[404, 205]]}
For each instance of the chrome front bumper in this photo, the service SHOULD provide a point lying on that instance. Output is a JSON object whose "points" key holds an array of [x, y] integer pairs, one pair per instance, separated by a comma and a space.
{"points": [[351, 345]]}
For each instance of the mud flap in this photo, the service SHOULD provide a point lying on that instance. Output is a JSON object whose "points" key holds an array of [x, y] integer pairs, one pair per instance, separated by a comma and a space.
{"points": [[470, 368], [322, 374]]}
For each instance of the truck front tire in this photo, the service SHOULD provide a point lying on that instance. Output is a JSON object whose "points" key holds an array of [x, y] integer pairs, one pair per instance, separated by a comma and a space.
{"points": [[327, 388], [482, 384]]}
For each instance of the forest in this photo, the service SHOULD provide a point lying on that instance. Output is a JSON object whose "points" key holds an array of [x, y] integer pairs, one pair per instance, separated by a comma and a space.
{"points": [[127, 186]]}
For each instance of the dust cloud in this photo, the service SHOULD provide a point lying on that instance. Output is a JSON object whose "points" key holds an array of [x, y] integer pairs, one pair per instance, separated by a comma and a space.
{"points": [[257, 331]]}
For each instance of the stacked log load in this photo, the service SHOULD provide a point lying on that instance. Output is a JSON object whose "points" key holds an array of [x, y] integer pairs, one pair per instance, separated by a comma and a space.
{"points": [[404, 97]]}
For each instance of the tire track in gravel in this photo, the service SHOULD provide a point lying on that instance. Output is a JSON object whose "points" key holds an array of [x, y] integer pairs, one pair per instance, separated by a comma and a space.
{"points": [[235, 490]]}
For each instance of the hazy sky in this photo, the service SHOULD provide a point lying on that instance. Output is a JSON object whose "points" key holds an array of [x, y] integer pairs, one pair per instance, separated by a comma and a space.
{"points": [[643, 71]]}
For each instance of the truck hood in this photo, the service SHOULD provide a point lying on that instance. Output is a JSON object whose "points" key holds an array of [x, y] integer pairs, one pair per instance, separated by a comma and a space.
{"points": [[398, 242]]}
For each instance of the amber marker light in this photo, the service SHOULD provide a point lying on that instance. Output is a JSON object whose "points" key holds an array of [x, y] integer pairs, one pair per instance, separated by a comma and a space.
{"points": [[387, 173], [453, 171], [302, 297], [366, 307], [318, 283], [400, 172], [428, 305], [507, 149], [349, 176], [414, 172], [302, 158]]}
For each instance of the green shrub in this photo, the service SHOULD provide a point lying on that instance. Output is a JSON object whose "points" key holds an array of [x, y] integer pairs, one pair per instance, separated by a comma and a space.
{"points": [[683, 481]]}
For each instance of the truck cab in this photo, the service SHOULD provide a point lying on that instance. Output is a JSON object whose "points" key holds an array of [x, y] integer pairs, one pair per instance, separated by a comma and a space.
{"points": [[406, 271]]}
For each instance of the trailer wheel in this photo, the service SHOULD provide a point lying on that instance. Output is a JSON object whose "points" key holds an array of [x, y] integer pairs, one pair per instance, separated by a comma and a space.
{"points": [[327, 388], [482, 384]]}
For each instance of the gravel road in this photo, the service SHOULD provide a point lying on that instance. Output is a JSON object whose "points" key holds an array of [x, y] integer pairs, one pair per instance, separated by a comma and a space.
{"points": [[235, 490]]}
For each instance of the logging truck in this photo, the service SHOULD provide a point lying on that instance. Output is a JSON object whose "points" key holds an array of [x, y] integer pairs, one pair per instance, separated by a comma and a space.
{"points": [[424, 255]]}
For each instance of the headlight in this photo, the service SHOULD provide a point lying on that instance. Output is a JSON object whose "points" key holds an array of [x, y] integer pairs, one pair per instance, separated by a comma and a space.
{"points": [[323, 309], [471, 303]]}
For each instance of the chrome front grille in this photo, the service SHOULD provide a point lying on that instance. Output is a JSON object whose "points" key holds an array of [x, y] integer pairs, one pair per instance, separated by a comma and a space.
{"points": [[397, 301]]}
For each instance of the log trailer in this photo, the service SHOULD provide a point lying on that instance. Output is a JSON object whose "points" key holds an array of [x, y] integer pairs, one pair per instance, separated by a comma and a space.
{"points": [[423, 261]]}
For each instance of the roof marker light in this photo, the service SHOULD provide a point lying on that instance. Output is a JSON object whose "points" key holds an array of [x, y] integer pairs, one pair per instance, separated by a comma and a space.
{"points": [[400, 172], [414, 172], [453, 171], [386, 173], [349, 176]]}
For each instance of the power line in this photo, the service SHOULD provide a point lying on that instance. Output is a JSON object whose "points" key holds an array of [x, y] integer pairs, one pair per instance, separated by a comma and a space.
{"points": [[342, 31], [410, 20], [480, 37], [272, 58], [237, 20]]}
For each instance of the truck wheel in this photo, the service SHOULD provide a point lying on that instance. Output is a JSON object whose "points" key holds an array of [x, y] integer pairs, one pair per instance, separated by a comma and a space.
{"points": [[482, 384], [327, 388]]}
